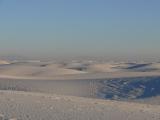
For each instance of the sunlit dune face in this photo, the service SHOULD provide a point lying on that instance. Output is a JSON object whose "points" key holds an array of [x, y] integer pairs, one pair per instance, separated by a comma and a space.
{"points": [[3, 62]]}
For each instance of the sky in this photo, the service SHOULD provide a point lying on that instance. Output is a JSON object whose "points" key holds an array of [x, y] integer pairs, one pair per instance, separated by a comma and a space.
{"points": [[48, 28]]}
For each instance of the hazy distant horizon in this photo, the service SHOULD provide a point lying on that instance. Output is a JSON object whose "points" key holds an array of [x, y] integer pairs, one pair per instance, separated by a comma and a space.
{"points": [[91, 28], [82, 58]]}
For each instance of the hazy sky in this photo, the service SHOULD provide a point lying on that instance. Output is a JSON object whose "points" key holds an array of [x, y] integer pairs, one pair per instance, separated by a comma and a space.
{"points": [[80, 27]]}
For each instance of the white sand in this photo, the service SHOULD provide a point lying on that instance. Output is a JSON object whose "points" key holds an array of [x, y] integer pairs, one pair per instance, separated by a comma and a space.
{"points": [[35, 106], [49, 70], [32, 105], [3, 62]]}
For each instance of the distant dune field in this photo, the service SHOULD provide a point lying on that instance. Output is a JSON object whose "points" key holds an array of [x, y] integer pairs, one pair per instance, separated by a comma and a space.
{"points": [[75, 70]]}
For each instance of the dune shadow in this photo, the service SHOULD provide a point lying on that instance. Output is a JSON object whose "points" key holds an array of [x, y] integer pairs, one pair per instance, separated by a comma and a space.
{"points": [[130, 88]]}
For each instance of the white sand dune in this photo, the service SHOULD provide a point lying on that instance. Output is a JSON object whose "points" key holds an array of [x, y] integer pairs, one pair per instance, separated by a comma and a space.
{"points": [[33, 76], [145, 67], [3, 62], [77, 70], [39, 70], [105, 67], [36, 106]]}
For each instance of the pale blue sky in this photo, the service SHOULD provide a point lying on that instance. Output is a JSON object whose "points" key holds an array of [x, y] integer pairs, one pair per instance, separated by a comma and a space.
{"points": [[80, 27]]}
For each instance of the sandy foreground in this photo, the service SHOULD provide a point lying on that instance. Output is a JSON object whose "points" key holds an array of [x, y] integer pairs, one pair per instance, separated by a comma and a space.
{"points": [[37, 106]]}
